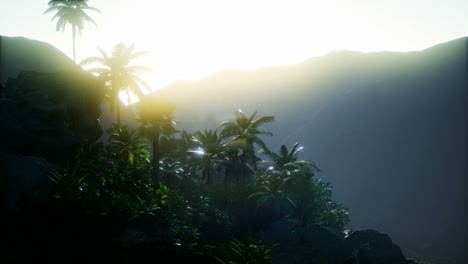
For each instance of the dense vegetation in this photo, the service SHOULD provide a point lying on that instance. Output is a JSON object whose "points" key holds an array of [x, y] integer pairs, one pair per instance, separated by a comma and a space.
{"points": [[156, 191]]}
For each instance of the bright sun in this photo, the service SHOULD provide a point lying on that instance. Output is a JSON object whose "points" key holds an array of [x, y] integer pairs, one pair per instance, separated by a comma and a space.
{"points": [[192, 39], [189, 40]]}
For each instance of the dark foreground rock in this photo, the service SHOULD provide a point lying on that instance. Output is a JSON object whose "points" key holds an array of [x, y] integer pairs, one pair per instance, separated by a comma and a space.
{"points": [[317, 244], [48, 107], [23, 182], [47, 114]]}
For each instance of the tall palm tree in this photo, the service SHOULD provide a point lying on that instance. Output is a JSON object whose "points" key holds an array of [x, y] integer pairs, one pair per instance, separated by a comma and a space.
{"points": [[71, 12], [155, 118], [243, 135], [210, 154], [120, 74]]}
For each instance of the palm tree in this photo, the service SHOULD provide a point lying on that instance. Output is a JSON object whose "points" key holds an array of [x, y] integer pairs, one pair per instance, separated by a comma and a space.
{"points": [[210, 154], [155, 117], [171, 169], [243, 135], [120, 74], [71, 12], [131, 148], [287, 160]]}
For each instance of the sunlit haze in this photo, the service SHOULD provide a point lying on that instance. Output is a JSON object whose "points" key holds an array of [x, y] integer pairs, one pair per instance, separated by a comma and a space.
{"points": [[192, 39]]}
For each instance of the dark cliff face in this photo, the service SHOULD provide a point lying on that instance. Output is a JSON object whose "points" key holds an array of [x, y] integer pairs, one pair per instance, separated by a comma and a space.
{"points": [[48, 107], [388, 130], [48, 104], [47, 114]]}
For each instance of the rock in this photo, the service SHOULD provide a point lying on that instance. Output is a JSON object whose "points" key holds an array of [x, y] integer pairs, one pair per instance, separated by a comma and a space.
{"points": [[318, 244], [370, 246], [23, 182], [47, 114], [48, 104], [315, 244]]}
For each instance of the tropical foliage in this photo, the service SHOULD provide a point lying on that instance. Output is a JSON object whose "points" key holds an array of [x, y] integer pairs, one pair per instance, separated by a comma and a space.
{"points": [[153, 192], [210, 154], [155, 118], [167, 188], [241, 136]]}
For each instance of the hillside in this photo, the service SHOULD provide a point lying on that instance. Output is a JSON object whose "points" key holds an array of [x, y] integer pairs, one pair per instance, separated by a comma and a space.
{"points": [[22, 54], [388, 130]]}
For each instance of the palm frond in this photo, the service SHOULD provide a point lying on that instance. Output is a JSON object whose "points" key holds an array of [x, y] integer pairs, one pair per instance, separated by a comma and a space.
{"points": [[262, 120], [294, 152], [139, 69], [260, 143], [92, 60], [241, 118], [252, 117], [254, 131]]}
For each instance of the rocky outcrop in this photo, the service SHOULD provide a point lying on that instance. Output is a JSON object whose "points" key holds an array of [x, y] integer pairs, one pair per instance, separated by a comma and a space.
{"points": [[47, 114], [48, 106], [317, 244], [19, 54], [370, 246]]}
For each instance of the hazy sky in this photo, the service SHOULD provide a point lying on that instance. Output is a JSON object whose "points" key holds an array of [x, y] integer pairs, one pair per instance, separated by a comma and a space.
{"points": [[189, 39]]}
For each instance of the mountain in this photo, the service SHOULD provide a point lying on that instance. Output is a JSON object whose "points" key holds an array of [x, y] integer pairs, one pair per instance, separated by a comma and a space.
{"points": [[22, 54], [388, 129]]}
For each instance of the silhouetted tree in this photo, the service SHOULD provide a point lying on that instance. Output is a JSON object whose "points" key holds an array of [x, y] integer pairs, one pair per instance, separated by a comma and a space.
{"points": [[119, 73], [71, 12]]}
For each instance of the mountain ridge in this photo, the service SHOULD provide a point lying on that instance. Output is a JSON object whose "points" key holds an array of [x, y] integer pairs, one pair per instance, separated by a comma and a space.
{"points": [[20, 54], [388, 130], [451, 44]]}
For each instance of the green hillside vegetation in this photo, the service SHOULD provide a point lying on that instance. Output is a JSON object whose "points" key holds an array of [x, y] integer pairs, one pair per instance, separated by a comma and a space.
{"points": [[236, 191], [212, 196]]}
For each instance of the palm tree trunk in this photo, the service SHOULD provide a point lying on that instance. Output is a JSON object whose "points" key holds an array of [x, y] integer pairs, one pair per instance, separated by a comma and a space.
{"points": [[208, 177], [74, 36], [155, 162], [117, 109], [243, 169]]}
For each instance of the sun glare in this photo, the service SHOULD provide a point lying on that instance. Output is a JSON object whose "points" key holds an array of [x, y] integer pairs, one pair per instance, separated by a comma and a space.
{"points": [[189, 40], [193, 39], [128, 97]]}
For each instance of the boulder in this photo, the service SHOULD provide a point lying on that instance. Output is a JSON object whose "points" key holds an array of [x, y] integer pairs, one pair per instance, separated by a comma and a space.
{"points": [[318, 244], [47, 114], [370, 246]]}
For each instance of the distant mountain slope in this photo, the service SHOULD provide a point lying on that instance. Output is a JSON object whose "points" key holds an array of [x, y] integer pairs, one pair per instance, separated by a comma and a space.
{"points": [[388, 129], [20, 54]]}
